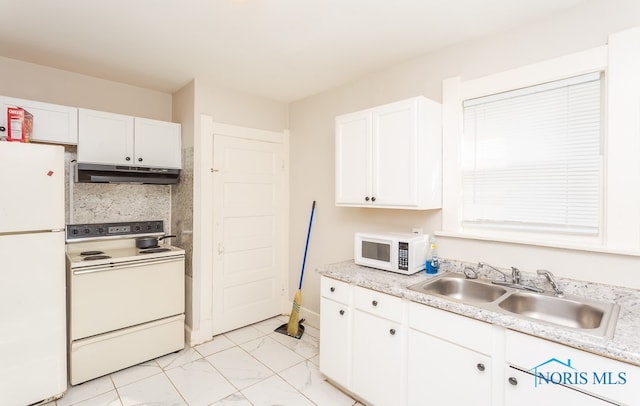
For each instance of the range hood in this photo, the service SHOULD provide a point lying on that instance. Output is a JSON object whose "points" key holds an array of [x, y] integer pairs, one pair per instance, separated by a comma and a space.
{"points": [[94, 173]]}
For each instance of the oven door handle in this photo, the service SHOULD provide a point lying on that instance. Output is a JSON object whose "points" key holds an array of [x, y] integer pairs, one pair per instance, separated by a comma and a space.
{"points": [[124, 265]]}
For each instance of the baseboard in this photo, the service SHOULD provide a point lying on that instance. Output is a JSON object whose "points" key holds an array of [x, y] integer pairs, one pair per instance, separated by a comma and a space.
{"points": [[195, 337], [310, 318]]}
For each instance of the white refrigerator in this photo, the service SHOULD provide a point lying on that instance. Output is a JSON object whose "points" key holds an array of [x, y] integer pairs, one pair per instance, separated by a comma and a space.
{"points": [[33, 364]]}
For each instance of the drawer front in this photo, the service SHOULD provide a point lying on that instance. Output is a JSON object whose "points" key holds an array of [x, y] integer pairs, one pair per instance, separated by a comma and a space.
{"points": [[100, 355], [124, 296], [451, 327], [380, 304], [580, 370], [335, 290]]}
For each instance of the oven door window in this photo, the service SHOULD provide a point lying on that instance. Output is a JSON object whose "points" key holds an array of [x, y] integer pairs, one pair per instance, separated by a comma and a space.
{"points": [[376, 251]]}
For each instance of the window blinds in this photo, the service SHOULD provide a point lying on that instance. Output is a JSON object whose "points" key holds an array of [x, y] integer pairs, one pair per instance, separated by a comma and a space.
{"points": [[532, 158]]}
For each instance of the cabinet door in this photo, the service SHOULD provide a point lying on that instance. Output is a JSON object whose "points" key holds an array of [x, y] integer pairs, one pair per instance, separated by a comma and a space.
{"points": [[377, 360], [105, 138], [335, 341], [442, 373], [52, 123], [520, 390], [353, 159], [395, 154], [157, 144]]}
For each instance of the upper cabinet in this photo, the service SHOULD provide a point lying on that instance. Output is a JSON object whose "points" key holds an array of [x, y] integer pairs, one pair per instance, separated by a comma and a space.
{"points": [[390, 156], [52, 123], [116, 139]]}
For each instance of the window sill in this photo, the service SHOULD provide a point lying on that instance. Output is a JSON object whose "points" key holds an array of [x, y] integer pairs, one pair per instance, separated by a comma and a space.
{"points": [[555, 245]]}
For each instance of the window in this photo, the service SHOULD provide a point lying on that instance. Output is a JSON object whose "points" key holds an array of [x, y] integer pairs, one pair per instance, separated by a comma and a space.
{"points": [[532, 158]]}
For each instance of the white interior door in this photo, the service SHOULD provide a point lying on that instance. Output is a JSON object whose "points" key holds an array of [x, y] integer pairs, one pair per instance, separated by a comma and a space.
{"points": [[249, 229]]}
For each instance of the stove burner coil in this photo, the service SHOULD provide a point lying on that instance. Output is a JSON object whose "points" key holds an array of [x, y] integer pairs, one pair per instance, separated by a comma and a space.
{"points": [[154, 250], [96, 257], [88, 253]]}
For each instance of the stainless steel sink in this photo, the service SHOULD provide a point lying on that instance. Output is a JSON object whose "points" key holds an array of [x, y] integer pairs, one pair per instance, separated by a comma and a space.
{"points": [[569, 313], [572, 312], [455, 286]]}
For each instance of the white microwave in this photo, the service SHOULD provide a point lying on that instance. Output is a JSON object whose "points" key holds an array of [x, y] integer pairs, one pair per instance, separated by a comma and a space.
{"points": [[403, 253]]}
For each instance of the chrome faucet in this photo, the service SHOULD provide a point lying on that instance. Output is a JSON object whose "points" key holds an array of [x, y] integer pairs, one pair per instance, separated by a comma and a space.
{"points": [[515, 281], [483, 264], [552, 281], [515, 275]]}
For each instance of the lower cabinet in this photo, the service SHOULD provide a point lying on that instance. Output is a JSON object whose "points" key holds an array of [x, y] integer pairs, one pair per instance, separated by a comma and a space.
{"points": [[448, 359], [442, 373], [520, 389], [335, 331], [378, 357], [388, 351], [540, 371]]}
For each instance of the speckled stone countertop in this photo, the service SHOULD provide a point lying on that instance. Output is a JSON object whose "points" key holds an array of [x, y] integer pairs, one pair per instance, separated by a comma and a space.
{"points": [[624, 346]]}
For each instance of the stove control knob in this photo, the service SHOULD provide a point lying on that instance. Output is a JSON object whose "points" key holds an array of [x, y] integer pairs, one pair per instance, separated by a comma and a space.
{"points": [[75, 231], [87, 231]]}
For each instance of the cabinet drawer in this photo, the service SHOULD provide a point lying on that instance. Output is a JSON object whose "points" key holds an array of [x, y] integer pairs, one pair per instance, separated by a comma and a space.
{"points": [[464, 331], [586, 372], [380, 304], [335, 290]]}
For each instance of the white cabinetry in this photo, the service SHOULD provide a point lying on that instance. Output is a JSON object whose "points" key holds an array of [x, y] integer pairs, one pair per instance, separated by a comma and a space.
{"points": [[448, 359], [389, 351], [520, 390], [378, 343], [116, 139], [390, 156], [575, 376], [335, 331], [52, 123]]}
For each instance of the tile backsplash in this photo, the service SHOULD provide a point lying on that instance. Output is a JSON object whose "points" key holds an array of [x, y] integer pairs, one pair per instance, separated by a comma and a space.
{"points": [[102, 202]]}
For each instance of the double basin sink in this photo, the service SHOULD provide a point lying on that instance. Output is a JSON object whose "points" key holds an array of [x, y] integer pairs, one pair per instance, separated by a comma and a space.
{"points": [[577, 313]]}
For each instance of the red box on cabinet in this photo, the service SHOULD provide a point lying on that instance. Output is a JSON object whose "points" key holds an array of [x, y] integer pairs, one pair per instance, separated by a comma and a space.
{"points": [[19, 124]]}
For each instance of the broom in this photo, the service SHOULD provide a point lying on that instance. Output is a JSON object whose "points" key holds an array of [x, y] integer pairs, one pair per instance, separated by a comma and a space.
{"points": [[294, 327]]}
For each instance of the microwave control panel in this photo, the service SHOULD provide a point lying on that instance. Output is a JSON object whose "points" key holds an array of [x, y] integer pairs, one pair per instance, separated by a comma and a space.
{"points": [[403, 255]]}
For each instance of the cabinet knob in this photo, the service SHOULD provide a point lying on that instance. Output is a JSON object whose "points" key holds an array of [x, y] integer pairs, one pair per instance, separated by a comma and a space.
{"points": [[2, 129], [392, 331], [128, 158], [480, 366], [513, 381], [139, 159], [341, 312], [373, 199], [374, 302], [366, 198], [332, 289]]}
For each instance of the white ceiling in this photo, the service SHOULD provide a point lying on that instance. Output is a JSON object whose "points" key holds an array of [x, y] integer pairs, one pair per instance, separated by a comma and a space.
{"points": [[279, 49]]}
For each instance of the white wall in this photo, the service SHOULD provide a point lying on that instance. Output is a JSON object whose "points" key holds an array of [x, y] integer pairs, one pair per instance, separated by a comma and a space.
{"points": [[36, 82], [312, 144], [95, 202], [212, 104]]}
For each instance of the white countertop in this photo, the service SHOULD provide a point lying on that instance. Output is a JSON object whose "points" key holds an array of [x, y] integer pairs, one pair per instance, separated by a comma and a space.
{"points": [[624, 346]]}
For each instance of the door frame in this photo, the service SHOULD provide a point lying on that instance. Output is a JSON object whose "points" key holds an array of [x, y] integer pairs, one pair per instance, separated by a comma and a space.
{"points": [[201, 293]]}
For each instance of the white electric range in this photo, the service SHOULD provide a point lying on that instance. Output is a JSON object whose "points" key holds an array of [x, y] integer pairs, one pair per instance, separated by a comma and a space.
{"points": [[125, 304]]}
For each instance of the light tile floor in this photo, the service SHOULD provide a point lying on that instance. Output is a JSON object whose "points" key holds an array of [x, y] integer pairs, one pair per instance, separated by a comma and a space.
{"points": [[249, 366]]}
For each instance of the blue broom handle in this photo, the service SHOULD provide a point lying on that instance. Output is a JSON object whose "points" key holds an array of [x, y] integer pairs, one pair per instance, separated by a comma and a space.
{"points": [[306, 246]]}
